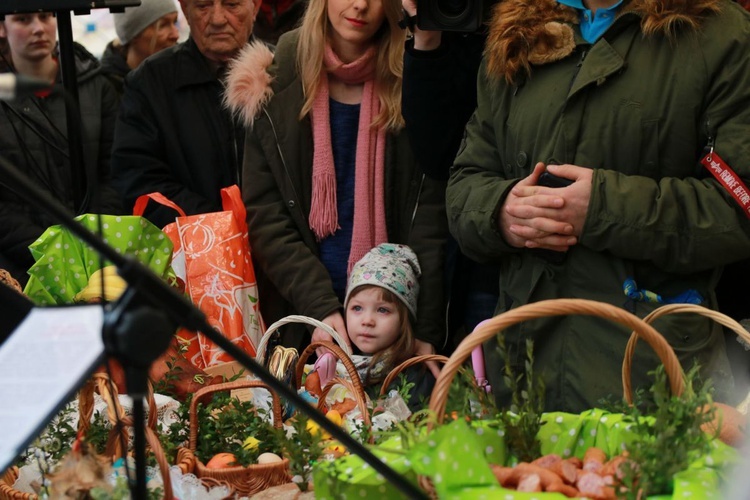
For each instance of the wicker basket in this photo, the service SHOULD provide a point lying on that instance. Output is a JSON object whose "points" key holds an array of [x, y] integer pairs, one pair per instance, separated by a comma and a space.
{"points": [[396, 371], [246, 481], [556, 307], [119, 433], [718, 317], [262, 345], [337, 351]]}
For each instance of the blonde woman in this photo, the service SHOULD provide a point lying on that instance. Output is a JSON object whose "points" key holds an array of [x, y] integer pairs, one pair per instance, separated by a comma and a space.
{"points": [[328, 173]]}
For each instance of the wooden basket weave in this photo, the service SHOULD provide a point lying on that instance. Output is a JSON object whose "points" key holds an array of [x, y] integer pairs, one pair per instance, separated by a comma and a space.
{"points": [[246, 481], [119, 434]]}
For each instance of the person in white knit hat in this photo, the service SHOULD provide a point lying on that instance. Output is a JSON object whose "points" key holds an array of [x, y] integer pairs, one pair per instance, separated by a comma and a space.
{"points": [[381, 310], [141, 32]]}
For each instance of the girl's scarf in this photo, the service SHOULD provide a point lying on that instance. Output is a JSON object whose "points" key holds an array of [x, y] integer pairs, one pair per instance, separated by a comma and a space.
{"points": [[369, 195], [369, 371]]}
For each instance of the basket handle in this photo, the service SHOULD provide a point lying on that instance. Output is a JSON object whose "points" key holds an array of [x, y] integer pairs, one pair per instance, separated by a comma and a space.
{"points": [[333, 348], [100, 382], [228, 386], [718, 317], [408, 364], [153, 442], [546, 308], [355, 388], [261, 350]]}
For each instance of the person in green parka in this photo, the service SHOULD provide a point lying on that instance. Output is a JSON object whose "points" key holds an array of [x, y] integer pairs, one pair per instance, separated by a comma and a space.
{"points": [[623, 99]]}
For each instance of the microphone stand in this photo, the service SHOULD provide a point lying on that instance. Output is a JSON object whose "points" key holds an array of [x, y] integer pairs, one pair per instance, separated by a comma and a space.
{"points": [[153, 293]]}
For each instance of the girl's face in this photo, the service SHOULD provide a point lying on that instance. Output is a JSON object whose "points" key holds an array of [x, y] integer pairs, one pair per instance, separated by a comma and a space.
{"points": [[354, 24], [373, 324], [31, 37], [160, 35]]}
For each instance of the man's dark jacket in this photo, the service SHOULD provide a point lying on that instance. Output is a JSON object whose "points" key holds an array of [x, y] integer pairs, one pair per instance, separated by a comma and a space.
{"points": [[174, 136]]}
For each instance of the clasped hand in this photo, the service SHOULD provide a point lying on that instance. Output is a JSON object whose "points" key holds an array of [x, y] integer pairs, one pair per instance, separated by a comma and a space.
{"points": [[536, 216]]}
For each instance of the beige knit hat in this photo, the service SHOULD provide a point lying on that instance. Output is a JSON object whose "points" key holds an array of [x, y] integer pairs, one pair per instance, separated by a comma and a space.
{"points": [[134, 20], [390, 266]]}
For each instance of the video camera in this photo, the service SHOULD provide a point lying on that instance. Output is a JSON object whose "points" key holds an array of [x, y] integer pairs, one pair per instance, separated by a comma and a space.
{"points": [[451, 15]]}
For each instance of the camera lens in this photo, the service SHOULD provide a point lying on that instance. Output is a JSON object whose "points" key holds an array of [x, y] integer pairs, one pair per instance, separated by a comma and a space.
{"points": [[452, 8]]}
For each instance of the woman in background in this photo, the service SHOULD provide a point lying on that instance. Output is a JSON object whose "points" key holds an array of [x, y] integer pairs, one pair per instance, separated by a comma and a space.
{"points": [[328, 175], [141, 32]]}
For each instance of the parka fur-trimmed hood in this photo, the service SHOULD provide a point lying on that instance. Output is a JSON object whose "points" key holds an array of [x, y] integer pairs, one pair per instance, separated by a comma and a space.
{"points": [[248, 84], [526, 32]]}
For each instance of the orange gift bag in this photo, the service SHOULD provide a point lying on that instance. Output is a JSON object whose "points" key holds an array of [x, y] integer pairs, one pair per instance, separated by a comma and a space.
{"points": [[212, 257]]}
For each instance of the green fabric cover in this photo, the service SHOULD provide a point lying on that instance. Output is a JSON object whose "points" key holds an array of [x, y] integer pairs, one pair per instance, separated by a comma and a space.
{"points": [[456, 457], [64, 263]]}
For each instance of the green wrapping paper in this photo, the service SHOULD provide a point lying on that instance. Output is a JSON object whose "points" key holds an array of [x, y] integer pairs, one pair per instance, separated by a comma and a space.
{"points": [[456, 458], [64, 263], [352, 477]]}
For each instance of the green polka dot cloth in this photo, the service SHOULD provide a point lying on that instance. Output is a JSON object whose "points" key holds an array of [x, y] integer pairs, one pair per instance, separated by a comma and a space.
{"points": [[351, 477], [456, 458], [64, 263]]}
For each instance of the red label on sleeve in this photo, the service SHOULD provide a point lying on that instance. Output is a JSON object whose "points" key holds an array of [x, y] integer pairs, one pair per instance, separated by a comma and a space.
{"points": [[729, 179]]}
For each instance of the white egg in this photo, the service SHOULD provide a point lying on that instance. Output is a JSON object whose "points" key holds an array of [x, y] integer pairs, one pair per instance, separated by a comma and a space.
{"points": [[268, 458]]}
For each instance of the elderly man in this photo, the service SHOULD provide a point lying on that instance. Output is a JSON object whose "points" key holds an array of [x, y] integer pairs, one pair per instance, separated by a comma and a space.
{"points": [[173, 135]]}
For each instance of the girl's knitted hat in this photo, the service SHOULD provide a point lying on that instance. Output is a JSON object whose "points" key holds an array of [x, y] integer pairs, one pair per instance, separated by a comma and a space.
{"points": [[134, 20], [390, 266]]}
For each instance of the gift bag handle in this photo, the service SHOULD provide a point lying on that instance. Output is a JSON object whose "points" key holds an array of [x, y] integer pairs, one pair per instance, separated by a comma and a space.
{"points": [[140, 204], [231, 201]]}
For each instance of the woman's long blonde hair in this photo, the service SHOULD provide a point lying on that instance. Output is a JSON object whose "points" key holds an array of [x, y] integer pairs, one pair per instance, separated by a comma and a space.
{"points": [[389, 42]]}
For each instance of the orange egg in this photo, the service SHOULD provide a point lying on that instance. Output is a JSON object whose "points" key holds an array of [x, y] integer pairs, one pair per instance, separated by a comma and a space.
{"points": [[221, 461]]}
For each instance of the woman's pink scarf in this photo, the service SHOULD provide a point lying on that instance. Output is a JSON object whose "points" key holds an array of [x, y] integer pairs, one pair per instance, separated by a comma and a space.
{"points": [[369, 195]]}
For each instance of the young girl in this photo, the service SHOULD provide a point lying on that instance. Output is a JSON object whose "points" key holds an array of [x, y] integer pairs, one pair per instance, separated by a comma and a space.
{"points": [[327, 174], [34, 136], [381, 306]]}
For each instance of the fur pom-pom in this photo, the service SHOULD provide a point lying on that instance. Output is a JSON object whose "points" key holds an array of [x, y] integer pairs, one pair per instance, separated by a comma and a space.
{"points": [[248, 85]]}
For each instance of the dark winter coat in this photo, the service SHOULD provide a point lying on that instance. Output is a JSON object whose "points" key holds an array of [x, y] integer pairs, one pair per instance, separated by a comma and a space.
{"points": [[115, 65], [173, 135], [277, 185], [639, 106], [438, 98], [33, 137]]}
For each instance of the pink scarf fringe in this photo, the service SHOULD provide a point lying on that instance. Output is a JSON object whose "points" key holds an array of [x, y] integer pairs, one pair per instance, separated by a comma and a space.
{"points": [[369, 194]]}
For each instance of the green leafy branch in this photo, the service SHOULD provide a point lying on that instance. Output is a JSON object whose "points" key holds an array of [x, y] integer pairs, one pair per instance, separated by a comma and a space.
{"points": [[523, 422], [668, 433]]}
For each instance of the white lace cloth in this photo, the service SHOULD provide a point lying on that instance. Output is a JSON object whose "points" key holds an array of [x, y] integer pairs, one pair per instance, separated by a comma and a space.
{"points": [[184, 486]]}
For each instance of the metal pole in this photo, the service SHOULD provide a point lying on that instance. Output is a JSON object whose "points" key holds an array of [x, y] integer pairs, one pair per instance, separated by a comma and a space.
{"points": [[72, 110]]}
